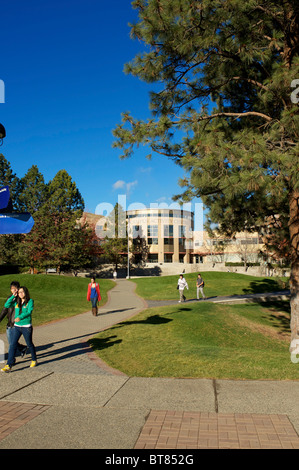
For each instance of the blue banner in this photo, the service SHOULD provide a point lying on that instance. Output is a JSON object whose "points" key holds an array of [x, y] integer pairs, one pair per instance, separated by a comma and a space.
{"points": [[14, 223], [4, 197]]}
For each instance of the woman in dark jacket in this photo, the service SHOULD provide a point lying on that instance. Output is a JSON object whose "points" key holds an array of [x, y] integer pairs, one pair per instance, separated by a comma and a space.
{"points": [[23, 325], [10, 314]]}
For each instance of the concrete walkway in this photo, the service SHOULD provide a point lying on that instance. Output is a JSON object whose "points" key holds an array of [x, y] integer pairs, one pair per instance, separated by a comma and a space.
{"points": [[74, 401]]}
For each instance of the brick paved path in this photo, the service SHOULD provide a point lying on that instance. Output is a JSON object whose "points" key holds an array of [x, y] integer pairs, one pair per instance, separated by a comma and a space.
{"points": [[14, 415], [197, 430]]}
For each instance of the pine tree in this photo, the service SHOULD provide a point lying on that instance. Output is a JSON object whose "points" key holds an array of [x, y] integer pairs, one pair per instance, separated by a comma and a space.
{"points": [[9, 178], [33, 193], [115, 244], [64, 206], [226, 111], [9, 243], [64, 195]]}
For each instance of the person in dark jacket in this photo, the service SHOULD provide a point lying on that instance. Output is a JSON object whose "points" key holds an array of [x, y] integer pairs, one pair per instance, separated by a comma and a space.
{"points": [[10, 314], [23, 325], [199, 286]]}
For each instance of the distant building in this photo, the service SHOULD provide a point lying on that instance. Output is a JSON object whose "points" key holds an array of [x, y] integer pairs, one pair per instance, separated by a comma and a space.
{"points": [[244, 248], [165, 236]]}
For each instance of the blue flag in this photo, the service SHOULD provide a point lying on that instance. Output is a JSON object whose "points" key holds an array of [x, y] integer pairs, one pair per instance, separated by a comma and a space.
{"points": [[4, 197], [11, 224]]}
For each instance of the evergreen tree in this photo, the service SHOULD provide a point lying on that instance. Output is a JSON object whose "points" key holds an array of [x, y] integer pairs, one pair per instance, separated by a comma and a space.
{"points": [[64, 196], [9, 178], [226, 111], [33, 192], [9, 243], [56, 207], [115, 244], [64, 207]]}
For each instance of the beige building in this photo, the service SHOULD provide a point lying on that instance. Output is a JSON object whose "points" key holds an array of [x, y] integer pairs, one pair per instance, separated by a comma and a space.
{"points": [[161, 235], [167, 236], [245, 247]]}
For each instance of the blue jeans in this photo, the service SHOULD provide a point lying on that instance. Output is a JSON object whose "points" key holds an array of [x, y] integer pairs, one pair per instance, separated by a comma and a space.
{"points": [[9, 329], [16, 333], [94, 302]]}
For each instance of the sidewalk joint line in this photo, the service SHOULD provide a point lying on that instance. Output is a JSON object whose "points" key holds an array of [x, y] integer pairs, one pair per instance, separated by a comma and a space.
{"points": [[215, 387], [25, 386], [106, 403]]}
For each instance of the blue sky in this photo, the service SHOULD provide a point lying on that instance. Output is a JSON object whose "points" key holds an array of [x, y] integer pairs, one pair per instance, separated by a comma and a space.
{"points": [[62, 65]]}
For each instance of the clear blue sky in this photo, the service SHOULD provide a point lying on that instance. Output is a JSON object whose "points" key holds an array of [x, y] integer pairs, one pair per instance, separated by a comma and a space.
{"points": [[62, 64]]}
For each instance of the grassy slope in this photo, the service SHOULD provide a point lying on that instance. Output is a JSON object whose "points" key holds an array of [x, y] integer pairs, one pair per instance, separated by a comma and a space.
{"points": [[55, 297], [216, 284], [202, 340], [248, 341]]}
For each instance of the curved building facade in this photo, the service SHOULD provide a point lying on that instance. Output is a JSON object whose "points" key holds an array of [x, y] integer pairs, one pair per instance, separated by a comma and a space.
{"points": [[161, 235]]}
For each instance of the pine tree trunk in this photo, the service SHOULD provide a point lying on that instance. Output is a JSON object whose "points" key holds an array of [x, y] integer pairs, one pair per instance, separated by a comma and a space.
{"points": [[294, 236]]}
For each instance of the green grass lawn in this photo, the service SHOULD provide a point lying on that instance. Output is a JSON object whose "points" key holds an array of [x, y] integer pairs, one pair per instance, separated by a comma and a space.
{"points": [[55, 297], [203, 340], [248, 341], [216, 284]]}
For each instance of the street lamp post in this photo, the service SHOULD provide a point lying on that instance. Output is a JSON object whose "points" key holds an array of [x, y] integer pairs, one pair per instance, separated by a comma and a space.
{"points": [[128, 268], [2, 133]]}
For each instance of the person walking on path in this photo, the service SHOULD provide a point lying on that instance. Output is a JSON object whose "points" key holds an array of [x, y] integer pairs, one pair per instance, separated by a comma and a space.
{"points": [[182, 284], [199, 287], [10, 314], [23, 305], [93, 295]]}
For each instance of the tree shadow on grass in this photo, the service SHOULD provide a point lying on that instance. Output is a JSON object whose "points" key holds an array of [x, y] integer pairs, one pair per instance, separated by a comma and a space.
{"points": [[280, 318], [98, 344], [103, 343], [265, 285], [151, 320]]}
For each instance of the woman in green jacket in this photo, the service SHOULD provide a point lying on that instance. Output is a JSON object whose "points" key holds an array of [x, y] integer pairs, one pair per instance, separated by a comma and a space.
{"points": [[23, 325]]}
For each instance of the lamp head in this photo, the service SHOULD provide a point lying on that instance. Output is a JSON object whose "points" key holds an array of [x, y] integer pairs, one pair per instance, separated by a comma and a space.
{"points": [[2, 133]]}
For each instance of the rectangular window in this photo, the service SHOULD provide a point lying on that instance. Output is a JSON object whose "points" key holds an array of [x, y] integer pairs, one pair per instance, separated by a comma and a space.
{"points": [[152, 230], [168, 231], [152, 258], [182, 231], [152, 241], [182, 244], [249, 241]]}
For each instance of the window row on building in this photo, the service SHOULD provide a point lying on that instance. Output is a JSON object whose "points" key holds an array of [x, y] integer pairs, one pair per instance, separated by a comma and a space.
{"points": [[168, 236]]}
